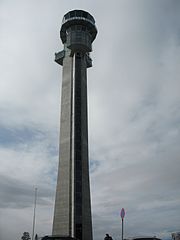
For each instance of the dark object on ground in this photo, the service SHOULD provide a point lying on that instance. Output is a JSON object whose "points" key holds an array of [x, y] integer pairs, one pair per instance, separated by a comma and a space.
{"points": [[107, 237], [143, 238], [25, 236]]}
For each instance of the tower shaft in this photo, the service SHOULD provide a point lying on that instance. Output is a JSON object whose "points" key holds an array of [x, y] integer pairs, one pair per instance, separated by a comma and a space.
{"points": [[72, 216]]}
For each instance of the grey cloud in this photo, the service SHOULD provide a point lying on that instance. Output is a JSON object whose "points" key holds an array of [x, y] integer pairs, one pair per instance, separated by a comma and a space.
{"points": [[18, 194], [11, 136]]}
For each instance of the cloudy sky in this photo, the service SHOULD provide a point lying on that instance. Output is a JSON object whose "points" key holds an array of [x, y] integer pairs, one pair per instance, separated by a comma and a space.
{"points": [[134, 115]]}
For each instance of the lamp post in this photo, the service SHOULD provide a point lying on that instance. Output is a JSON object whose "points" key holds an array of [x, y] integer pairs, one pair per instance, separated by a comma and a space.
{"points": [[34, 215], [122, 218]]}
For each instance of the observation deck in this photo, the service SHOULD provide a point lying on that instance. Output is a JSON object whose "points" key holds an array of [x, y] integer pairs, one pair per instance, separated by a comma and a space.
{"points": [[78, 31]]}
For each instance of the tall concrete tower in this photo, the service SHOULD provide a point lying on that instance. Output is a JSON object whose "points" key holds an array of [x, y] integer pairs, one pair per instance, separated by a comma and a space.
{"points": [[72, 214]]}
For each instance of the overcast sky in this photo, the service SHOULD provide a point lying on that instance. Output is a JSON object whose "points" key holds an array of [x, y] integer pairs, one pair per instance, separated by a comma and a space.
{"points": [[134, 115]]}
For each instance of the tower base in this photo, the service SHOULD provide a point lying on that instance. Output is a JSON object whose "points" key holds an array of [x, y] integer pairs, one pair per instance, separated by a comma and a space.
{"points": [[58, 237]]}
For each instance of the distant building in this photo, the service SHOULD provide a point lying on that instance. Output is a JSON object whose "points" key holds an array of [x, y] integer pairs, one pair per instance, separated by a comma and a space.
{"points": [[176, 236]]}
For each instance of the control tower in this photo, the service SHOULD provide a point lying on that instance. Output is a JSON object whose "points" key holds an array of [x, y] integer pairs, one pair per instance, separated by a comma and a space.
{"points": [[72, 213]]}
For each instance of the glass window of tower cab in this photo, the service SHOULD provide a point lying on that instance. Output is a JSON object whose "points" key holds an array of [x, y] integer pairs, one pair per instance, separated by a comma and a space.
{"points": [[78, 30]]}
